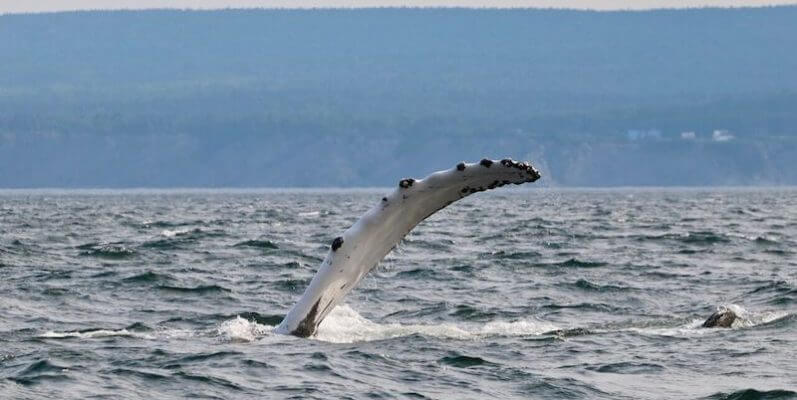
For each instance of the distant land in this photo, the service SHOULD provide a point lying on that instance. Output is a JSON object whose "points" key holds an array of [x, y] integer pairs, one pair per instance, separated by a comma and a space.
{"points": [[364, 97]]}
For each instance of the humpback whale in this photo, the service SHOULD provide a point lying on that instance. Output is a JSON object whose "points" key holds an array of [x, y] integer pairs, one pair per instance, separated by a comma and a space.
{"points": [[722, 318], [361, 247]]}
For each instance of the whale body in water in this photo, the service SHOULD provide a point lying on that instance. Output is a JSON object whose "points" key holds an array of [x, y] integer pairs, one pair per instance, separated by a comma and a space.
{"points": [[362, 246], [722, 318]]}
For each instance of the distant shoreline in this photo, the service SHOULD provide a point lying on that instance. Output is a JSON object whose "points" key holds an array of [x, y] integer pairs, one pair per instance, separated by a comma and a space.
{"points": [[369, 96]]}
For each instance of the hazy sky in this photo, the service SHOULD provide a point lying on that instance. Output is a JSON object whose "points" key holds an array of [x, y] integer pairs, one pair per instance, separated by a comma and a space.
{"points": [[15, 6]]}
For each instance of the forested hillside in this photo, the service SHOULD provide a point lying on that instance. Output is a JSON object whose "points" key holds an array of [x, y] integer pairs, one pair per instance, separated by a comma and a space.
{"points": [[364, 97]]}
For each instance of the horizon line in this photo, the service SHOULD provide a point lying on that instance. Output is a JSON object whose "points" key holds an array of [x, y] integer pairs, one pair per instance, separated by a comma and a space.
{"points": [[785, 4], [232, 189]]}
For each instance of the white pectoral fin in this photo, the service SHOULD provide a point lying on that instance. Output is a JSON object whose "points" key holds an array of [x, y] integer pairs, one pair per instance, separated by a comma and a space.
{"points": [[361, 247]]}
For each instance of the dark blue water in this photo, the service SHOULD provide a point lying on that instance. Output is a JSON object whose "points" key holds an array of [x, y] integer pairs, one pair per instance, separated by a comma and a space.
{"points": [[512, 294]]}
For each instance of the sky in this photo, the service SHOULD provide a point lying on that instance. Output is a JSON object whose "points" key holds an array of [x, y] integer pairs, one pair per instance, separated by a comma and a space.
{"points": [[17, 6]]}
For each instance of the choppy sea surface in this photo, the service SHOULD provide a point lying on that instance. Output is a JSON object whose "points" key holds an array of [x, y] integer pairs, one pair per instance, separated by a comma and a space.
{"points": [[538, 293]]}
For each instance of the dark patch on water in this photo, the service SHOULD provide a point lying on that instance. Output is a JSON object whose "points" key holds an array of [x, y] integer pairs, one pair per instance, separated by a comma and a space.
{"points": [[146, 376], [515, 255], [419, 273], [148, 277], [628, 368], [576, 263], [468, 313], [463, 361], [763, 241], [290, 285], [591, 307], [258, 244], [753, 394], [55, 291], [567, 333], [665, 275], [105, 274], [162, 244], [413, 395], [263, 319], [40, 372], [200, 289], [172, 224], [467, 269], [207, 380], [699, 238], [776, 287], [704, 238], [138, 327], [776, 293], [584, 284], [198, 358], [789, 298]]}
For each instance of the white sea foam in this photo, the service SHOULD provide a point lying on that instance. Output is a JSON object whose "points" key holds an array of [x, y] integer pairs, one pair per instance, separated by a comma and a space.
{"points": [[517, 328], [100, 333], [745, 319], [344, 325], [237, 329], [240, 329], [177, 232], [748, 318], [104, 333]]}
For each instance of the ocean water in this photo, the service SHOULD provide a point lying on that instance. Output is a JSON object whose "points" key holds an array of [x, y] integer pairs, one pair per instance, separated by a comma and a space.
{"points": [[536, 293]]}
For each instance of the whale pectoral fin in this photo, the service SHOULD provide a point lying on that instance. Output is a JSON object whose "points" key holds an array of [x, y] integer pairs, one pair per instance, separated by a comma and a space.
{"points": [[308, 325], [364, 244]]}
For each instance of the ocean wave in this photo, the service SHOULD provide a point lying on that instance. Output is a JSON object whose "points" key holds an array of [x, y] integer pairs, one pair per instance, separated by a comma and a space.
{"points": [[704, 238], [106, 250], [514, 255], [259, 244], [147, 277], [748, 319], [586, 306], [776, 286], [575, 263], [470, 313], [627, 368], [174, 239], [775, 293], [40, 371], [135, 331], [95, 333], [344, 325], [171, 224], [586, 285], [290, 285], [199, 289], [463, 361]]}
